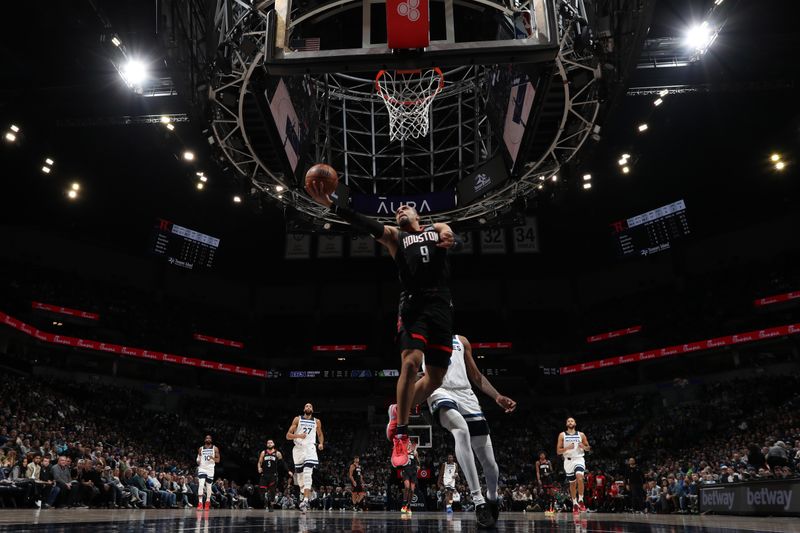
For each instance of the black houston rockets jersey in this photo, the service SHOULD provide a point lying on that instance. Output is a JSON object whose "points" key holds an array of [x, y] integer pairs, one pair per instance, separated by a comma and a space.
{"points": [[421, 264]]}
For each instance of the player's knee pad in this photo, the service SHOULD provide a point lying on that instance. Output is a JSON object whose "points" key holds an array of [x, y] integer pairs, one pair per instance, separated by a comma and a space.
{"points": [[308, 473]]}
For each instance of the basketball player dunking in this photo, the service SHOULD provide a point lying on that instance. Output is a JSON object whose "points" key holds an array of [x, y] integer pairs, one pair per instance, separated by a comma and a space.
{"points": [[572, 445], [207, 458], [425, 321], [272, 469], [458, 410], [304, 431], [356, 484], [447, 481]]}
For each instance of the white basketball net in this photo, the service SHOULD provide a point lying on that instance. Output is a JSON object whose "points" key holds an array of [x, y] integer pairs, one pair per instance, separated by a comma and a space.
{"points": [[408, 95]]}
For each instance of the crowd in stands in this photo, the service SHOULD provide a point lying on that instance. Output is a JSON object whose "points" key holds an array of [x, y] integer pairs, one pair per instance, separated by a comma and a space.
{"points": [[70, 444]]}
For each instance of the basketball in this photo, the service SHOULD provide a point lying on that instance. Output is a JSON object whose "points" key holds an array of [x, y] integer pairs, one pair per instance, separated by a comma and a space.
{"points": [[325, 174]]}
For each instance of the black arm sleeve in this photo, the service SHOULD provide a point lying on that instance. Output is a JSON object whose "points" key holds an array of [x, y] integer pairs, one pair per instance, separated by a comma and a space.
{"points": [[359, 221]]}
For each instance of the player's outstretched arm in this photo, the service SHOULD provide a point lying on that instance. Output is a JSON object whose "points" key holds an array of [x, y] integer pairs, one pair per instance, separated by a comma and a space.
{"points": [[386, 235], [482, 382], [447, 238]]}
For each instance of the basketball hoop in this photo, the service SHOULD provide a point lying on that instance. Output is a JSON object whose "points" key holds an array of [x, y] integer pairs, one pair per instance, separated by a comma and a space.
{"points": [[408, 95]]}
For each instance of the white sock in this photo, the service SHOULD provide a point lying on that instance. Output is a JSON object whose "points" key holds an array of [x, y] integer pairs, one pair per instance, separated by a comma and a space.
{"points": [[477, 498]]}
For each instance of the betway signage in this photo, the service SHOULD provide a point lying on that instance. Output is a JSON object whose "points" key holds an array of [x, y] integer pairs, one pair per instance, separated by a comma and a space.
{"points": [[425, 204], [775, 498]]}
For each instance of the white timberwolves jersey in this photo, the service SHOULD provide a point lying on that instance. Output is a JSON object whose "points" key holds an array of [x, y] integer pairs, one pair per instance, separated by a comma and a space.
{"points": [[456, 376], [307, 426], [568, 441], [448, 478], [207, 459]]}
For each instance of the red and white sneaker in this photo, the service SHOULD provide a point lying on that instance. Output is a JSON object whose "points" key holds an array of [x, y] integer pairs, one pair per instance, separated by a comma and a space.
{"points": [[582, 506], [576, 508], [200, 506], [208, 505], [391, 427], [400, 451]]}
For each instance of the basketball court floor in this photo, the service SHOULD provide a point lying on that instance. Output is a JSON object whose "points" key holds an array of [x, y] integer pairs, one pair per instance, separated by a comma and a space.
{"points": [[87, 520]]}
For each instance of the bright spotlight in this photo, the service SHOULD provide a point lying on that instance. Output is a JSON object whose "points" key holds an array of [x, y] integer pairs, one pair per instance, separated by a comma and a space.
{"points": [[15, 128], [700, 37], [780, 165], [10, 137], [72, 194], [663, 92], [134, 72], [587, 177], [643, 127], [165, 120], [170, 127], [587, 185], [626, 156], [46, 169], [622, 162], [775, 158], [76, 186], [626, 170], [237, 199], [279, 188], [203, 179], [200, 186], [115, 41], [658, 102], [555, 177], [49, 161], [718, 2], [540, 186], [189, 156]]}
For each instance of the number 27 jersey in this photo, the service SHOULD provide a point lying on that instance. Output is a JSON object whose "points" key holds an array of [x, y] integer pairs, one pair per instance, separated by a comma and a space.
{"points": [[421, 264]]}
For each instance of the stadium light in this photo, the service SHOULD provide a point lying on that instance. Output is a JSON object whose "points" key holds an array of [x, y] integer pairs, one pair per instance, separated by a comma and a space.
{"points": [[203, 179], [10, 137], [76, 186], [72, 194], [623, 161], [134, 72], [341, 359], [780, 165], [237, 199], [200, 186], [626, 156], [165, 119], [587, 177], [15, 128], [658, 102], [555, 177], [189, 156], [170, 127], [626, 170], [700, 37], [718, 2], [663, 92], [279, 188], [775, 158], [115, 41], [540, 186], [587, 185], [642, 127], [46, 169], [49, 161]]}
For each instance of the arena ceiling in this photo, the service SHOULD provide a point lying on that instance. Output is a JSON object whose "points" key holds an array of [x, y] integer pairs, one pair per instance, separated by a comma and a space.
{"points": [[709, 142]]}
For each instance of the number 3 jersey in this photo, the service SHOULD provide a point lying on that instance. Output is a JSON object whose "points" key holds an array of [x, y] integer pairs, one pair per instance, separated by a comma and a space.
{"points": [[422, 265]]}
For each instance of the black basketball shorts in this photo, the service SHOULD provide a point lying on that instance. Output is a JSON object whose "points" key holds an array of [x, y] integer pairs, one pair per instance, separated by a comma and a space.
{"points": [[425, 322]]}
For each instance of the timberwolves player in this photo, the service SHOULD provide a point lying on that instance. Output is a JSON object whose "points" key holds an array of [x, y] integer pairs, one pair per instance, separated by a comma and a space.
{"points": [[571, 445], [447, 480], [272, 469], [207, 458], [304, 431], [425, 318], [356, 484], [457, 409]]}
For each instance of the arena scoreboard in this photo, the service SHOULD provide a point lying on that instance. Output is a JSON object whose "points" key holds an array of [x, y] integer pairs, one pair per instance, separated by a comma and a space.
{"points": [[183, 247], [651, 232]]}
